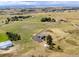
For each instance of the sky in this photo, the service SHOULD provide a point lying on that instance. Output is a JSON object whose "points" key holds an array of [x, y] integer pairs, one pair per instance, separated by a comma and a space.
{"points": [[40, 3]]}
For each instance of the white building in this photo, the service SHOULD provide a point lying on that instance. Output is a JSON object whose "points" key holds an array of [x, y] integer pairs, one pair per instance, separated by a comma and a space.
{"points": [[6, 44]]}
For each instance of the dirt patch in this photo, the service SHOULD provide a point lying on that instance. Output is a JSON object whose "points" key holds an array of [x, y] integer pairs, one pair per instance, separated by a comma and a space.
{"points": [[56, 34], [42, 52], [60, 38]]}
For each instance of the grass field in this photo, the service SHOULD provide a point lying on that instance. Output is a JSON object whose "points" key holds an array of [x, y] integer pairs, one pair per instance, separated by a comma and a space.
{"points": [[3, 37], [32, 25]]}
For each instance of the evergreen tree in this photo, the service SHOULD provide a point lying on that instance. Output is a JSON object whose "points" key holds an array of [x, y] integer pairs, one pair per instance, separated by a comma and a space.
{"points": [[50, 42]]}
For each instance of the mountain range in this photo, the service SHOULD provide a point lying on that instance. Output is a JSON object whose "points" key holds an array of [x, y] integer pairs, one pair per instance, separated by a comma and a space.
{"points": [[37, 4]]}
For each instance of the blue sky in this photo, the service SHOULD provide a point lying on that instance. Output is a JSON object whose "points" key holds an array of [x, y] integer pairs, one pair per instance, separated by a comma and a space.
{"points": [[41, 3]]}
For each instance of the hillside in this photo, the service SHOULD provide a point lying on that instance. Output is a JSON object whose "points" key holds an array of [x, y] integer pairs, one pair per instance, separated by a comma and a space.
{"points": [[67, 38]]}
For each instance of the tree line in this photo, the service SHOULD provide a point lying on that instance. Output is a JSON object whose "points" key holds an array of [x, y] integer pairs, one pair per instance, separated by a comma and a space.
{"points": [[13, 36], [48, 19], [16, 18]]}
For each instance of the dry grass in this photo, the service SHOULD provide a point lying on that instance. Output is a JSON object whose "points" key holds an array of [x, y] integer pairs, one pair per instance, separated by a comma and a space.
{"points": [[68, 42]]}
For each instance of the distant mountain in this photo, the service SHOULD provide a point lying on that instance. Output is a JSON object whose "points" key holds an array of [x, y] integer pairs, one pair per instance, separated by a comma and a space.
{"points": [[18, 6], [37, 4]]}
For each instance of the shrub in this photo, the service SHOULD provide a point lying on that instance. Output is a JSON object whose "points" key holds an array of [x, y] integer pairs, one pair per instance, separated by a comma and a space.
{"points": [[59, 48], [53, 20], [8, 19], [48, 19], [6, 22]]}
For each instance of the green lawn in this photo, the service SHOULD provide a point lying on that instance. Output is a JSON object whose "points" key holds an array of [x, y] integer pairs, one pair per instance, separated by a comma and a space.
{"points": [[3, 37]]}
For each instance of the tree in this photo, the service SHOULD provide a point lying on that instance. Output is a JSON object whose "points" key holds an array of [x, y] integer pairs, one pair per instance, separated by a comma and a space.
{"points": [[13, 36], [8, 19], [49, 19], [50, 42], [19, 37], [46, 19], [6, 22], [16, 18], [53, 20]]}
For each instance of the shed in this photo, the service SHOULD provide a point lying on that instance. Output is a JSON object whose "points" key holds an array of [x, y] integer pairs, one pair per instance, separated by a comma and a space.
{"points": [[6, 44]]}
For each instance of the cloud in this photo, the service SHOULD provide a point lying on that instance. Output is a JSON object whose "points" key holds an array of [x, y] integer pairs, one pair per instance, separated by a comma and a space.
{"points": [[20, 3], [41, 3], [28, 3]]}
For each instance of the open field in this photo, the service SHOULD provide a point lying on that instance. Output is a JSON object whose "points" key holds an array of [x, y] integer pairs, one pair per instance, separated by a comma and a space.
{"points": [[26, 28]]}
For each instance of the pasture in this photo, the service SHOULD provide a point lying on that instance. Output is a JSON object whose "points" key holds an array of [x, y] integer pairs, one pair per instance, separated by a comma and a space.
{"points": [[32, 25]]}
